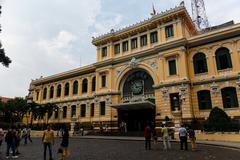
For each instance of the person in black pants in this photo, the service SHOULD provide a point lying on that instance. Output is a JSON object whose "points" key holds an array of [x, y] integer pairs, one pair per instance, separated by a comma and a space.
{"points": [[64, 144], [183, 137], [147, 135]]}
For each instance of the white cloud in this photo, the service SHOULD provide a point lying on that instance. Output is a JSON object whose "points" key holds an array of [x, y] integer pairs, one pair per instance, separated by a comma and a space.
{"points": [[63, 40], [108, 22], [44, 38]]}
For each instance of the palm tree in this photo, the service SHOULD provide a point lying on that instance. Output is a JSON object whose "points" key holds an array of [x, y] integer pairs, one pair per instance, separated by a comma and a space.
{"points": [[50, 107], [5, 60], [34, 111]]}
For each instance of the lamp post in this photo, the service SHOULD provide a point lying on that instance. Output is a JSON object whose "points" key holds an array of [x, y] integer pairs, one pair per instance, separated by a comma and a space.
{"points": [[108, 100], [95, 100]]}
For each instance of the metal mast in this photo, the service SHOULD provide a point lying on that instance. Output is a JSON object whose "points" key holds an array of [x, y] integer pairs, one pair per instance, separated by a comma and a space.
{"points": [[199, 14]]}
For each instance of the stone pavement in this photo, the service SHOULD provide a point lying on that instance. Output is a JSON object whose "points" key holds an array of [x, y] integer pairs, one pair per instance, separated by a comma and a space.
{"points": [[233, 145], [104, 148]]}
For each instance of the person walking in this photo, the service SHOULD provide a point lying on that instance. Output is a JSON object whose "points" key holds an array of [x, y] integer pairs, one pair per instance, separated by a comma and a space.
{"points": [[65, 143], [29, 134], [166, 139], [1, 137], [183, 137], [147, 135], [11, 140], [24, 135], [192, 138], [18, 135], [48, 141]]}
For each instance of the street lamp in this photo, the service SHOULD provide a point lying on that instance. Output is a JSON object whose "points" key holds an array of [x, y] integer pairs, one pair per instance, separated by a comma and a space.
{"points": [[95, 99], [108, 100]]}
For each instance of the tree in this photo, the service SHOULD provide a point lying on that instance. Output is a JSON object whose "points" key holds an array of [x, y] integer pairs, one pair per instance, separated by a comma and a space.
{"points": [[34, 110], [50, 107], [218, 120], [5, 60], [15, 109]]}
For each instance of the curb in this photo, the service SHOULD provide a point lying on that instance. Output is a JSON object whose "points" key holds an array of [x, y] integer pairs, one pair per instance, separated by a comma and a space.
{"points": [[207, 143]]}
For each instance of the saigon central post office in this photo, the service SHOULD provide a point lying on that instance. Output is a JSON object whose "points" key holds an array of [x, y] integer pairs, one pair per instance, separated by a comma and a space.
{"points": [[160, 67]]}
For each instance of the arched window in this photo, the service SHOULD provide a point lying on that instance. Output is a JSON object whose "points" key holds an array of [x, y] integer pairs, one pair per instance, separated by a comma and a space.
{"points": [[223, 59], [66, 90], [65, 112], [200, 63], [59, 90], [75, 87], [204, 100], [229, 97], [45, 93], [51, 92], [84, 86], [93, 84], [73, 111], [83, 110]]}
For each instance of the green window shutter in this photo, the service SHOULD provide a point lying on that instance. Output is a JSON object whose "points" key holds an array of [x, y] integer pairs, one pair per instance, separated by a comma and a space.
{"points": [[204, 100], [229, 60], [102, 108], [172, 67], [229, 97], [218, 62]]}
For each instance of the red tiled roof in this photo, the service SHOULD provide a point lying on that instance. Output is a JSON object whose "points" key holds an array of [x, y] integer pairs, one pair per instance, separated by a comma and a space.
{"points": [[4, 99]]}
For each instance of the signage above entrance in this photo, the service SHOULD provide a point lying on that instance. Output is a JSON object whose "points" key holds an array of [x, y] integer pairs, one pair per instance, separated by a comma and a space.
{"points": [[134, 105]]}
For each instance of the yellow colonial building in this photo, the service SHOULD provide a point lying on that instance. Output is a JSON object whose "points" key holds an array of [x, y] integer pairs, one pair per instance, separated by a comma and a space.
{"points": [[157, 68]]}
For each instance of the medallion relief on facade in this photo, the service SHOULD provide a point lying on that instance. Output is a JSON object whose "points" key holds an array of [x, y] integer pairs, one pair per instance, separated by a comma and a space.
{"points": [[153, 64], [133, 63], [118, 72]]}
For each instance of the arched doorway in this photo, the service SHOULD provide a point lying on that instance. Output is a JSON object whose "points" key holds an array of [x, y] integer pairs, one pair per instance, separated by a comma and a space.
{"points": [[137, 106]]}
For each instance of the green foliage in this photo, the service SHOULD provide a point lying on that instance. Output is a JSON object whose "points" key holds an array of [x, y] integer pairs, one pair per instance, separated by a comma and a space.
{"points": [[5, 60], [219, 121], [15, 109]]}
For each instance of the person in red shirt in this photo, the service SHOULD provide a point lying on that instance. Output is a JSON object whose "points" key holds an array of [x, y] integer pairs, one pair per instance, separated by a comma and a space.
{"points": [[147, 135]]}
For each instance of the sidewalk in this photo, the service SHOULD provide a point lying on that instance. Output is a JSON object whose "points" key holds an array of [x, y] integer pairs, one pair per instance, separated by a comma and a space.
{"points": [[233, 145]]}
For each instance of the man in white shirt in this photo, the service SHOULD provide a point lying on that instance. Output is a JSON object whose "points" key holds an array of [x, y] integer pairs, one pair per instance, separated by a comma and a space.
{"points": [[183, 137]]}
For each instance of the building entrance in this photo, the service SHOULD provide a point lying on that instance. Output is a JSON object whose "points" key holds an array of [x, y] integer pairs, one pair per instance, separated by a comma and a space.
{"points": [[136, 120], [137, 105]]}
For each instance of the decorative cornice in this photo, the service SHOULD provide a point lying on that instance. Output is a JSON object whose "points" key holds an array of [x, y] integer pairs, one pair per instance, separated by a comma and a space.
{"points": [[215, 80], [170, 84]]}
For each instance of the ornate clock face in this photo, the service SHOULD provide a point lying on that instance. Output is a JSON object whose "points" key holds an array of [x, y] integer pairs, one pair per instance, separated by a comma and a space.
{"points": [[137, 87]]}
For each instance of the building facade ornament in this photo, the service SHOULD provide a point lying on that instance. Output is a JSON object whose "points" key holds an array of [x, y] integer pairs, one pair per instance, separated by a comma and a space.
{"points": [[133, 63], [153, 64], [118, 72], [164, 91], [214, 88]]}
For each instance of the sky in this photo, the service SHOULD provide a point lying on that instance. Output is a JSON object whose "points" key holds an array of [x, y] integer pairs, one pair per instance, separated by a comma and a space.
{"points": [[46, 37]]}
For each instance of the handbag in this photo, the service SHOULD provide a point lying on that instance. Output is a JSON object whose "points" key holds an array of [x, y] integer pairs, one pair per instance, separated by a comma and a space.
{"points": [[60, 150]]}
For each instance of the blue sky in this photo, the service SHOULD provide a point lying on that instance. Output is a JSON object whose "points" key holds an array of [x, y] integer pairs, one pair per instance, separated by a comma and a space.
{"points": [[46, 37]]}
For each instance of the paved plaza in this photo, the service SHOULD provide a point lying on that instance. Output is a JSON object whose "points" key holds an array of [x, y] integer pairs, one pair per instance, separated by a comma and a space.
{"points": [[97, 149]]}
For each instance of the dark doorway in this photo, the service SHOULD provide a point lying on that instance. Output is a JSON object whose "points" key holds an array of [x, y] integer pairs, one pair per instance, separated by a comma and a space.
{"points": [[136, 120]]}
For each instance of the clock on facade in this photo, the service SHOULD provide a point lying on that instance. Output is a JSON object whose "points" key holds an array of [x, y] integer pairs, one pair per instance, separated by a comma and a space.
{"points": [[137, 87]]}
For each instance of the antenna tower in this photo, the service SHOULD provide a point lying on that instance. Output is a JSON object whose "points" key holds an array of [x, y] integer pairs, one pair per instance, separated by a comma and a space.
{"points": [[199, 14]]}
